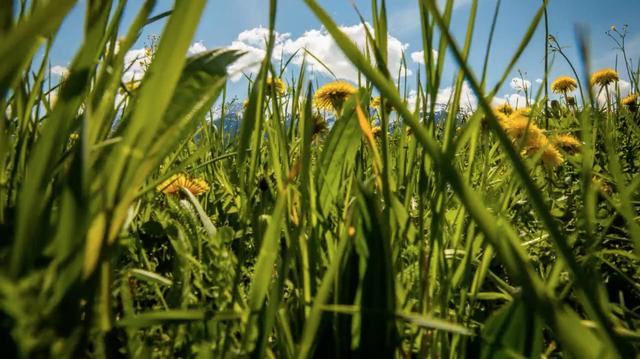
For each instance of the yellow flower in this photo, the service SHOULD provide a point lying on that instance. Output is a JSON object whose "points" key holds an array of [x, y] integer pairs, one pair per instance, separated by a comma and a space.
{"points": [[551, 157], [275, 84], [567, 143], [376, 102], [376, 131], [549, 154], [525, 111], [522, 127], [505, 109], [631, 101], [177, 181], [564, 84], [351, 231], [604, 77], [333, 95], [319, 124]]}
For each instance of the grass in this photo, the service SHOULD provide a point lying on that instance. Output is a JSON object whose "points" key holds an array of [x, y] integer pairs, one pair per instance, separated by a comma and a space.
{"points": [[390, 234]]}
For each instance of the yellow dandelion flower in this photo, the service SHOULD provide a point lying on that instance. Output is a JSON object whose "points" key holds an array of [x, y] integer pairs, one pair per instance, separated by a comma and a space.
{"points": [[564, 84], [568, 143], [376, 131], [376, 102], [631, 101], [505, 109], [525, 111], [333, 95], [551, 157], [275, 84], [177, 181], [319, 124], [351, 231], [522, 127], [604, 77], [499, 115], [549, 154]]}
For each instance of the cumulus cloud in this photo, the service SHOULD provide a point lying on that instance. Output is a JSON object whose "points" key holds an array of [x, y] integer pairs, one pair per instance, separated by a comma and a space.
{"points": [[538, 81], [519, 84], [253, 43], [515, 100], [59, 70], [418, 56], [134, 62], [318, 42], [468, 99], [623, 86], [196, 48]]}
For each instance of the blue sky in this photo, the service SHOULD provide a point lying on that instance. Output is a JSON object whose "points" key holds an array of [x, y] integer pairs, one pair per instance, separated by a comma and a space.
{"points": [[224, 21]]}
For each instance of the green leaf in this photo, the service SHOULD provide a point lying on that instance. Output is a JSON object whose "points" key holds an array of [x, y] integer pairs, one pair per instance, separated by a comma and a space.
{"points": [[339, 153]]}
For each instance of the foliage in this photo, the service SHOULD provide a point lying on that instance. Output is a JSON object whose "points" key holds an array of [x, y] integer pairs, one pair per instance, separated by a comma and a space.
{"points": [[401, 231]]}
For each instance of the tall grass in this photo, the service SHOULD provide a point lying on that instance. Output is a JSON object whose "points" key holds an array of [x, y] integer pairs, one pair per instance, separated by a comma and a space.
{"points": [[398, 232]]}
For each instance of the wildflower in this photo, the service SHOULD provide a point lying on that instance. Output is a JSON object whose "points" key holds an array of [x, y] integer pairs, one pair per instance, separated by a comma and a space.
{"points": [[376, 131], [74, 137], [551, 157], [376, 102], [505, 109], [275, 84], [564, 84], [525, 111], [521, 127], [177, 181], [604, 77], [333, 95], [631, 102], [319, 124], [351, 231], [568, 143]]}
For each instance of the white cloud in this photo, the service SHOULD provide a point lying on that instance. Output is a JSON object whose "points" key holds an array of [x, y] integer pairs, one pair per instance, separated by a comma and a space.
{"points": [[418, 56], [134, 65], [468, 99], [538, 81], [136, 61], [519, 84], [253, 43], [622, 85], [196, 48], [515, 100], [59, 70], [317, 42]]}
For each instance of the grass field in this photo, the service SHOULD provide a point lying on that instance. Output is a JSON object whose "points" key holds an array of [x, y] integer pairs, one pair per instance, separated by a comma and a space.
{"points": [[132, 225]]}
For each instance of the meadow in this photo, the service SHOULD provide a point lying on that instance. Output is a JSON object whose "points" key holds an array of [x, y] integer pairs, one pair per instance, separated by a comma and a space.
{"points": [[132, 225]]}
